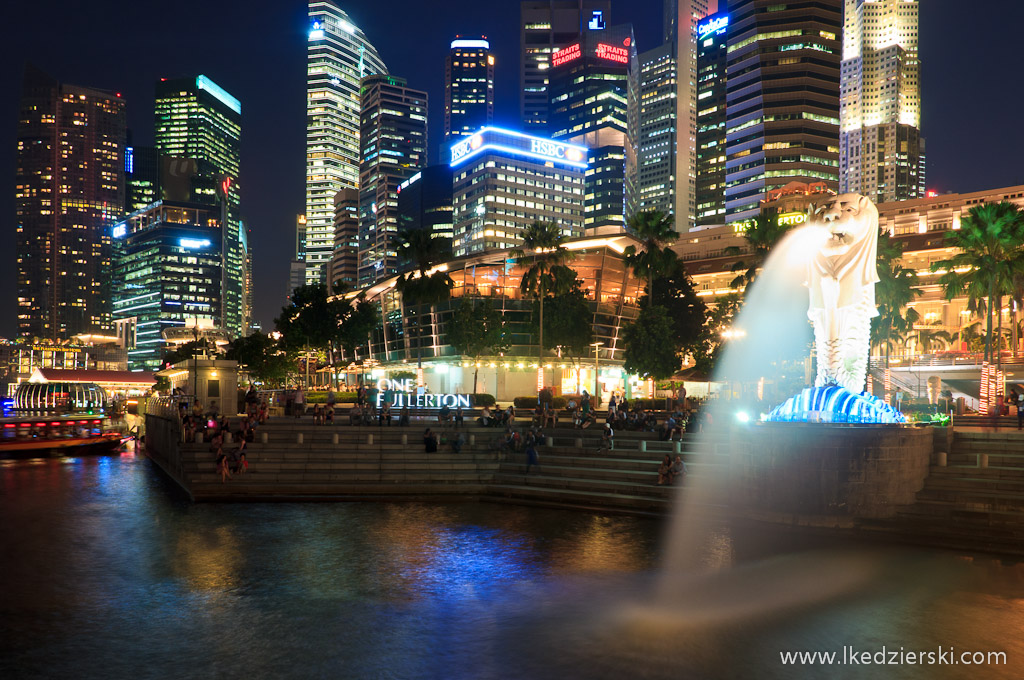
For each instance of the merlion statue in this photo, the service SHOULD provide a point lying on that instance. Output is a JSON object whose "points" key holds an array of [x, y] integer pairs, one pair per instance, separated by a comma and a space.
{"points": [[842, 281]]}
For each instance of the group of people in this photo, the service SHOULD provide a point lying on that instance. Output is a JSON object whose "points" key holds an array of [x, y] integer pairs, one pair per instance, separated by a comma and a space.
{"points": [[499, 417], [234, 460], [431, 441], [671, 470], [368, 414]]}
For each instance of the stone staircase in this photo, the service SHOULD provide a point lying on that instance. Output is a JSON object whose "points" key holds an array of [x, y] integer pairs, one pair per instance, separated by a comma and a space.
{"points": [[977, 499]]}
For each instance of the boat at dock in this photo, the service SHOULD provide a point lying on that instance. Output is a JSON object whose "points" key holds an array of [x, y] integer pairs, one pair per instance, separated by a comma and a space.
{"points": [[38, 435]]}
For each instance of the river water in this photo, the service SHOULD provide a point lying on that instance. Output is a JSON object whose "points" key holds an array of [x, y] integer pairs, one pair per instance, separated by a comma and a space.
{"points": [[108, 573]]}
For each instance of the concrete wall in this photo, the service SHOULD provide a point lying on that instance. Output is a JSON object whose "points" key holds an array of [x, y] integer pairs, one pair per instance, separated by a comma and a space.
{"points": [[163, 446], [825, 474]]}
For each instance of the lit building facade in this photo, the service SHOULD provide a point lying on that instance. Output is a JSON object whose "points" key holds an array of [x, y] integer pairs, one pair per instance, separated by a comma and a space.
{"points": [[594, 87], [69, 189], [142, 177], [681, 24], [504, 181], [468, 87], [200, 121], [712, 34], [425, 202], [393, 142], [611, 292], [338, 57], [782, 103], [656, 143], [547, 26], [881, 151], [345, 265], [169, 272]]}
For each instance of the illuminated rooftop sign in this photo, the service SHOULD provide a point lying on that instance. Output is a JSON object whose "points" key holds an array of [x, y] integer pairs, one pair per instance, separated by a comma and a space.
{"points": [[219, 93], [120, 231], [518, 144], [470, 44], [612, 53], [193, 243], [596, 20], [715, 24], [566, 54]]}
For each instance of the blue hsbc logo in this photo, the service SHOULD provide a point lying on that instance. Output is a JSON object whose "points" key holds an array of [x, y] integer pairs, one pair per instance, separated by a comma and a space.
{"points": [[545, 147]]}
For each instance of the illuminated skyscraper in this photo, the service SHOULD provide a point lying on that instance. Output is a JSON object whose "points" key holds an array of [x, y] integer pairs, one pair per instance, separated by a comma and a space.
{"points": [[393, 138], [338, 57], [345, 265], [544, 27], [712, 44], [782, 101], [297, 267], [656, 148], [881, 151], [198, 120], [593, 87], [69, 191], [468, 87]]}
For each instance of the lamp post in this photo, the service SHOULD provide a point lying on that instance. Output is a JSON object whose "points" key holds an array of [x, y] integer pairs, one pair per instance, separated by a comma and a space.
{"points": [[597, 365]]}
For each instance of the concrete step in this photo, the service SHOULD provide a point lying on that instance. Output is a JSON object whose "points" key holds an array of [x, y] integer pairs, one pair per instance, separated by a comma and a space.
{"points": [[638, 487], [579, 497]]}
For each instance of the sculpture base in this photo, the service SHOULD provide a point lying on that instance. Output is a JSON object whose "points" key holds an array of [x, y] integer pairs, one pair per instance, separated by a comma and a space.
{"points": [[835, 404]]}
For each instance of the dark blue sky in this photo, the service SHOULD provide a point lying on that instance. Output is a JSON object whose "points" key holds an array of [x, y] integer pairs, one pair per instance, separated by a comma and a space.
{"points": [[972, 90]]}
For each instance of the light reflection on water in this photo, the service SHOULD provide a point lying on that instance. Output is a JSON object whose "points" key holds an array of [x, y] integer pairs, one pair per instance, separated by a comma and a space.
{"points": [[108, 573]]}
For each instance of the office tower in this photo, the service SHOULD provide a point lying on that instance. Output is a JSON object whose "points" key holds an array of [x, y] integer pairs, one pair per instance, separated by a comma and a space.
{"points": [[142, 176], [345, 263], [393, 141], [782, 104], [682, 18], [248, 282], [468, 87], [297, 267], [656, 143], [593, 86], [338, 57], [169, 272], [198, 135], [546, 26], [69, 190], [495, 188], [712, 46], [881, 151], [425, 202]]}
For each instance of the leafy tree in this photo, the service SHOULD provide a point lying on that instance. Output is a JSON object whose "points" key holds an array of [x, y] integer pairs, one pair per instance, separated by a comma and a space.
{"points": [[988, 260], [541, 251], [311, 320], [762, 234], [893, 292], [265, 359], [189, 350], [356, 324], [477, 330], [570, 321], [929, 339], [674, 291], [657, 231], [712, 343], [650, 349], [421, 251]]}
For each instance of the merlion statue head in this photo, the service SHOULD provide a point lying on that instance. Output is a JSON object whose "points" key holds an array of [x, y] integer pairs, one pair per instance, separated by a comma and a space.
{"points": [[851, 221], [848, 256]]}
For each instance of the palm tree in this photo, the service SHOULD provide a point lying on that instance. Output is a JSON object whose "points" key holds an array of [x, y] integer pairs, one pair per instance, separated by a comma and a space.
{"points": [[929, 338], [657, 231], [894, 291], [989, 259], [418, 248], [543, 252], [762, 234]]}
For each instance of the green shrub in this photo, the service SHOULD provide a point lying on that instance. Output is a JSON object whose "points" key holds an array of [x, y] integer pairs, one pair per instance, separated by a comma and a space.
{"points": [[559, 402], [481, 400], [525, 402]]}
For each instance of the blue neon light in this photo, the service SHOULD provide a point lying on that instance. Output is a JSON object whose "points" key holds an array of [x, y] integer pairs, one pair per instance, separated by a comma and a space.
{"points": [[219, 93], [193, 243], [715, 24], [129, 160], [539, 148], [596, 21], [835, 404], [119, 231]]}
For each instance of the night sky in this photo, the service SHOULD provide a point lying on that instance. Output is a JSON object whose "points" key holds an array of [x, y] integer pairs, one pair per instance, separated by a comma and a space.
{"points": [[972, 88]]}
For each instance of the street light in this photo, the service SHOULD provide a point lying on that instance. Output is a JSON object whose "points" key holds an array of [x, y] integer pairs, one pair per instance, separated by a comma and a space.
{"points": [[597, 359]]}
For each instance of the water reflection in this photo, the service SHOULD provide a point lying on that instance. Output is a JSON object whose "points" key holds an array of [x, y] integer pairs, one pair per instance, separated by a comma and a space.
{"points": [[109, 574]]}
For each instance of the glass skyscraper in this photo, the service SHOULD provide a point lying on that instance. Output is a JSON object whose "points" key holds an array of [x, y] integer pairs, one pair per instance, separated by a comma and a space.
{"points": [[198, 120], [712, 43], [69, 190], [338, 57], [393, 139], [468, 87]]}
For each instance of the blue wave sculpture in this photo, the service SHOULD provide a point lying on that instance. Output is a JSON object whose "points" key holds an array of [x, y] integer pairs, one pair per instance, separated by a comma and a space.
{"points": [[834, 404]]}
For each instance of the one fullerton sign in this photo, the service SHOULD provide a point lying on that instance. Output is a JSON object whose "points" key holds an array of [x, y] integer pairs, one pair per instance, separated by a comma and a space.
{"points": [[403, 393]]}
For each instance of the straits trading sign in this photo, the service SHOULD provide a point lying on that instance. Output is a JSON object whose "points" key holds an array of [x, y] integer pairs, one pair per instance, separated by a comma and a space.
{"points": [[518, 144], [403, 393]]}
